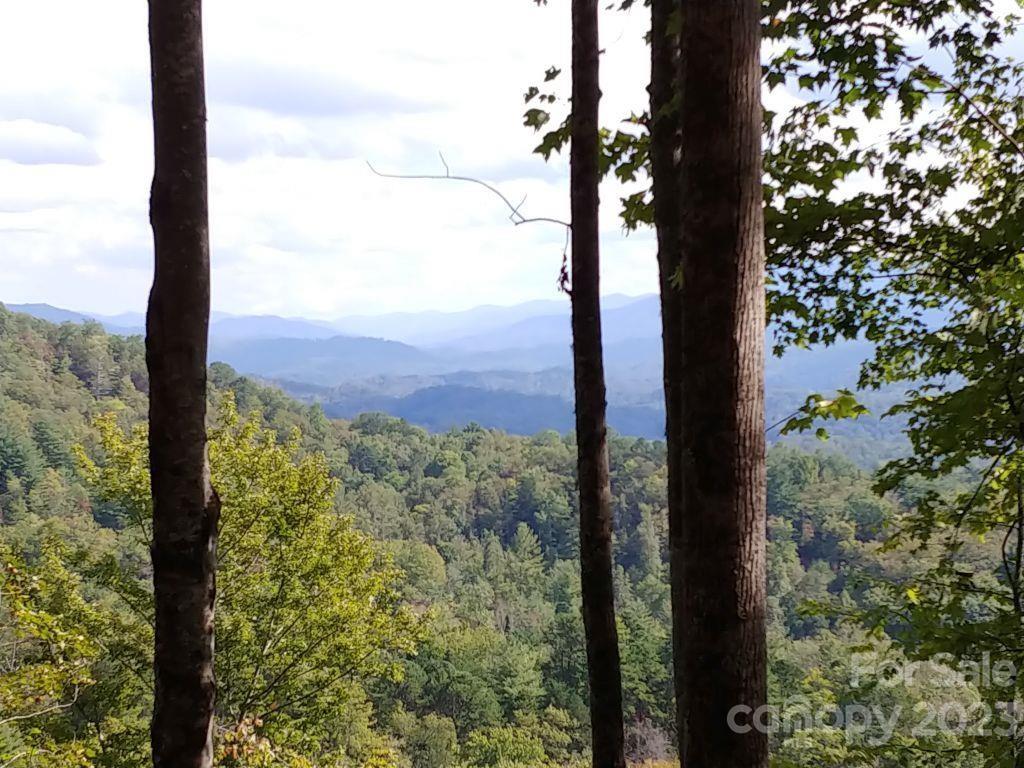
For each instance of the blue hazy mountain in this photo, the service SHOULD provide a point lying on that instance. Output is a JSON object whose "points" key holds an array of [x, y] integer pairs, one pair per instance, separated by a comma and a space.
{"points": [[450, 406], [507, 367], [455, 400], [50, 313], [322, 360], [439, 328], [123, 325], [269, 327], [222, 325], [623, 320]]}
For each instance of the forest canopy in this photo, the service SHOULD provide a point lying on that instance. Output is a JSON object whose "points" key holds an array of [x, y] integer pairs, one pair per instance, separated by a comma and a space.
{"points": [[395, 597]]}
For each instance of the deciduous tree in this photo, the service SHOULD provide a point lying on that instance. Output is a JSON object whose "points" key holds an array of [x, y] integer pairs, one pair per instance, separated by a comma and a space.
{"points": [[719, 526], [185, 506], [595, 494]]}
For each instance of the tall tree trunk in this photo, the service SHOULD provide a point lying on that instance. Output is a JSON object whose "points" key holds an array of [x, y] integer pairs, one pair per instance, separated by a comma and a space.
{"points": [[665, 149], [718, 552], [603, 669], [185, 508]]}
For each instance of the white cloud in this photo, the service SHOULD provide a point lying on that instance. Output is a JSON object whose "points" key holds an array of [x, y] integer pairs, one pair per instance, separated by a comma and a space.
{"points": [[28, 142], [300, 96]]}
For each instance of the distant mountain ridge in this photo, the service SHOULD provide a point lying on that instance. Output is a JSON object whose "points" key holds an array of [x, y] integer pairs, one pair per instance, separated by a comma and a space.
{"points": [[321, 360], [521, 339], [506, 367], [222, 325], [436, 328], [122, 325], [639, 318], [269, 327]]}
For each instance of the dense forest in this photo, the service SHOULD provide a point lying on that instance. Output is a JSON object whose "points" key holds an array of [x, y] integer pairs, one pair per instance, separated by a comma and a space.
{"points": [[198, 570], [395, 597]]}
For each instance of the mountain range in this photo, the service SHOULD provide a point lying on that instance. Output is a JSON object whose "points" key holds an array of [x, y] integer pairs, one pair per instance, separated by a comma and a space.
{"points": [[501, 366]]}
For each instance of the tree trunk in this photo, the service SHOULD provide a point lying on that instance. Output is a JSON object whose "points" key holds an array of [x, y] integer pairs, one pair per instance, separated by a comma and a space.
{"points": [[185, 508], [665, 149], [715, 387], [603, 670]]}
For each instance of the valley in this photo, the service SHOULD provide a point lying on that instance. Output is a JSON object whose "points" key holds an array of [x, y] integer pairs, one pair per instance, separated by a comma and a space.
{"points": [[503, 367]]}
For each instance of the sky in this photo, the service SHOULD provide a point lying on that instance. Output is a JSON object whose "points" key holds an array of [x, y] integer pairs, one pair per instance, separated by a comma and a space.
{"points": [[301, 95]]}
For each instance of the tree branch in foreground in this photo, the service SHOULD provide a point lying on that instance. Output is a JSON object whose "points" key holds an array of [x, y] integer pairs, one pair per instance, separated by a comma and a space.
{"points": [[515, 215]]}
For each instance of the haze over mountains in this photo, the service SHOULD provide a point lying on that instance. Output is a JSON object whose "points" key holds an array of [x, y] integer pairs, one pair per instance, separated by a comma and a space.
{"points": [[501, 366]]}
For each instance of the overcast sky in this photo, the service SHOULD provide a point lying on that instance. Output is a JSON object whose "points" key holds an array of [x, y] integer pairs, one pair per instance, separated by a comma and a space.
{"points": [[301, 94]]}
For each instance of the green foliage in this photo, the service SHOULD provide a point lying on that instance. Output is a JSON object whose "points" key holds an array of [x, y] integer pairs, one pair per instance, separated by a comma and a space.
{"points": [[306, 604], [429, 741], [893, 192], [503, 747], [48, 644], [817, 408], [363, 539]]}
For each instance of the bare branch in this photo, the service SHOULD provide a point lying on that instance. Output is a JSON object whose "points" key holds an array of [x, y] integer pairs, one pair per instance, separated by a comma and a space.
{"points": [[15, 759], [516, 217], [45, 711]]}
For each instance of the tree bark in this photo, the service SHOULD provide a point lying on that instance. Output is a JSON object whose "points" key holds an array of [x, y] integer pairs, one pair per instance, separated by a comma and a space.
{"points": [[185, 507], [718, 548], [603, 668], [665, 150]]}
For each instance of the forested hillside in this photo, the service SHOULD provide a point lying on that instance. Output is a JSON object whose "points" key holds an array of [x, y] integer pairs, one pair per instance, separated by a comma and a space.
{"points": [[391, 596], [517, 376]]}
